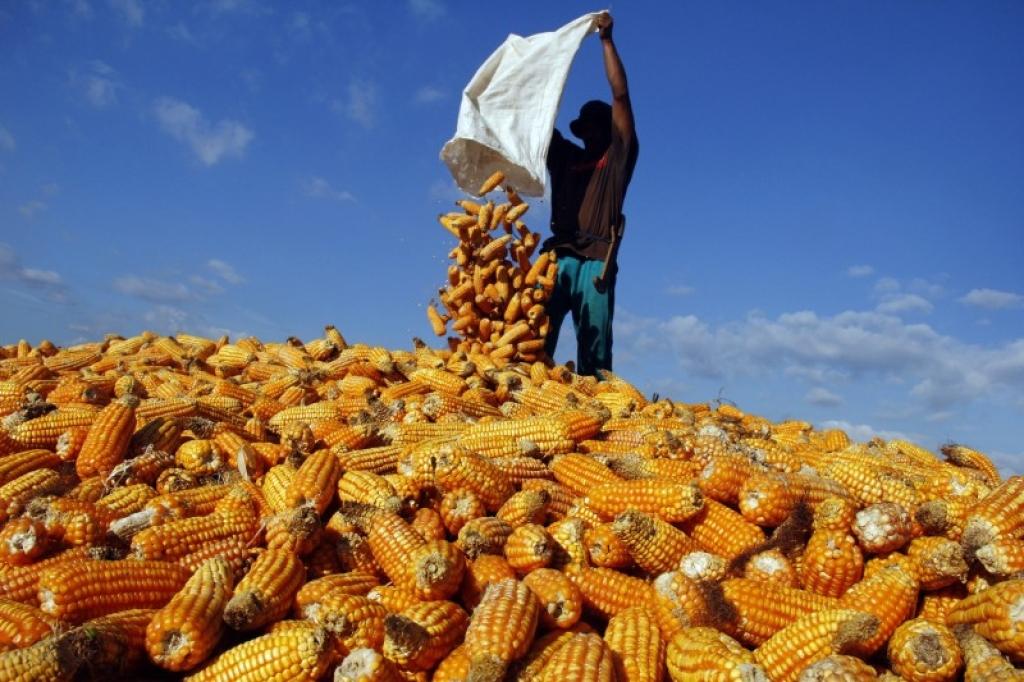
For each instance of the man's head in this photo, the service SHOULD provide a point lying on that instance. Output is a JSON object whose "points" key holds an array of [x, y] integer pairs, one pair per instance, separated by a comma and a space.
{"points": [[594, 124]]}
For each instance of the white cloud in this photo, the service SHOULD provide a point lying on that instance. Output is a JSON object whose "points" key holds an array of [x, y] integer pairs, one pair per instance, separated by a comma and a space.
{"points": [[180, 31], [895, 304], [360, 103], [152, 289], [130, 10], [30, 208], [81, 9], [97, 83], [860, 271], [44, 277], [429, 94], [939, 370], [925, 288], [205, 285], [48, 281], [887, 285], [167, 319], [209, 142], [321, 189], [823, 397], [679, 290], [864, 432], [225, 271], [427, 9], [992, 299], [7, 140]]}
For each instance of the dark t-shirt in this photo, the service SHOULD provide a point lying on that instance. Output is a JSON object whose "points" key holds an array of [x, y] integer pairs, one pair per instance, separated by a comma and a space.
{"points": [[587, 194]]}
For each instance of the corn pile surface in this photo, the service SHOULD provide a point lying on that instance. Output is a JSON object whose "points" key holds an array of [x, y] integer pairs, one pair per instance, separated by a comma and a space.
{"points": [[495, 294], [182, 507]]}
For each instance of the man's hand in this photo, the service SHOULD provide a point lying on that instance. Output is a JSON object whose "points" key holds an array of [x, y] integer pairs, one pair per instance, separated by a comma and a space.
{"points": [[604, 23]]}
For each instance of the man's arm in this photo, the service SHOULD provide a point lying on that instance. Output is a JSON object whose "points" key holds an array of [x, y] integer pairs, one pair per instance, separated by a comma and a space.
{"points": [[622, 109]]}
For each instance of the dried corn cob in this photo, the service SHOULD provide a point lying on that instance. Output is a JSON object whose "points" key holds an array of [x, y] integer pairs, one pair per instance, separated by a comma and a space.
{"points": [[701, 653], [106, 444], [184, 632], [924, 652], [422, 634], [584, 657], [811, 638], [266, 592], [302, 653], [77, 590], [995, 615], [640, 651], [501, 628]]}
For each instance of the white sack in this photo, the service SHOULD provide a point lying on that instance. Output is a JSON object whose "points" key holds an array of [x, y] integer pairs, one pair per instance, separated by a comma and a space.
{"points": [[508, 110]]}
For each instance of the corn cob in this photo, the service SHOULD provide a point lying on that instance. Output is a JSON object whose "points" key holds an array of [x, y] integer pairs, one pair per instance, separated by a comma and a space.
{"points": [[377, 460], [44, 431], [839, 667], [983, 662], [458, 507], [314, 482], [509, 438], [810, 639], [580, 473], [584, 657], [107, 441], [605, 548], [640, 651], [501, 628], [655, 545], [54, 659], [369, 488], [456, 468], [17, 494], [422, 634], [77, 590], [901, 591], [560, 600], [480, 573], [998, 514], [366, 665], [831, 563], [924, 652], [485, 535], [428, 524], [963, 456], [719, 528], [22, 625], [606, 592], [184, 632], [702, 653], [994, 614], [17, 464], [760, 610], [528, 548], [173, 540], [354, 621], [266, 592], [22, 541], [772, 566], [672, 502], [882, 527], [302, 653], [127, 499], [524, 507]]}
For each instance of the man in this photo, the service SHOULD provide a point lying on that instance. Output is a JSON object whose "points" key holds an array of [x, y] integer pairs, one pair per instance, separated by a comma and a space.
{"points": [[588, 186]]}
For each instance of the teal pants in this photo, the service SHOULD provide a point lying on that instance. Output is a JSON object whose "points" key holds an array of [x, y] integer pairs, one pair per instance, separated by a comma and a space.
{"points": [[591, 310]]}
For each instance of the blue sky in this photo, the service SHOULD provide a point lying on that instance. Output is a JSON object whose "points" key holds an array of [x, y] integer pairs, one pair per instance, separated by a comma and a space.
{"points": [[825, 221]]}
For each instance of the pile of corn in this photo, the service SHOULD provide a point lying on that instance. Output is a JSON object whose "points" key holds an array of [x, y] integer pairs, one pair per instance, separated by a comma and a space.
{"points": [[495, 296], [306, 511]]}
